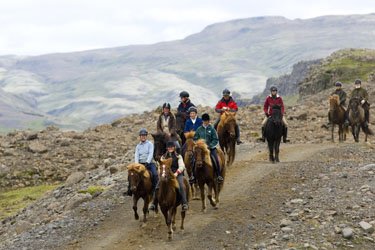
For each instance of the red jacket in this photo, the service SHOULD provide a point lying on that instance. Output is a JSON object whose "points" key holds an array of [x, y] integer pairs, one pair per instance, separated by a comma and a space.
{"points": [[270, 101], [230, 104]]}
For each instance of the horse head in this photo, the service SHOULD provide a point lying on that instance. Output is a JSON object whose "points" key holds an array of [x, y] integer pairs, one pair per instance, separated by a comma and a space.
{"points": [[165, 170], [228, 121], [136, 173], [189, 148], [160, 145], [201, 153], [180, 121], [276, 114], [334, 102], [354, 103]]}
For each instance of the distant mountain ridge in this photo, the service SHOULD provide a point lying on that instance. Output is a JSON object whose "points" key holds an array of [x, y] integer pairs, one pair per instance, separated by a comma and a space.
{"points": [[98, 86]]}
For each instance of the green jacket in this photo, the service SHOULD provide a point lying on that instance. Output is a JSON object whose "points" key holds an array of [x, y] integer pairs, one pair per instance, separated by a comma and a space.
{"points": [[341, 93], [360, 92], [209, 134]]}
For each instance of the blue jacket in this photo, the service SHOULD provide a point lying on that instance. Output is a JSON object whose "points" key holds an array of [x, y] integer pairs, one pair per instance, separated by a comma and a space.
{"points": [[189, 125]]}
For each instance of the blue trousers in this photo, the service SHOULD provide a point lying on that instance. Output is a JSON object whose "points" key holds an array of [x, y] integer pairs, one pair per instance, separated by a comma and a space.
{"points": [[155, 179]]}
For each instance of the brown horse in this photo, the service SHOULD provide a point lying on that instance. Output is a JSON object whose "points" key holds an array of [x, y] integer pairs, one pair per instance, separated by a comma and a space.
{"points": [[188, 156], [141, 187], [168, 196], [357, 119], [205, 174], [227, 135], [337, 116], [180, 125]]}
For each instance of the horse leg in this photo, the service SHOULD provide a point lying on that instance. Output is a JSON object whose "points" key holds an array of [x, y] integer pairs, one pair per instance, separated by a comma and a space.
{"points": [[135, 201], [340, 133], [174, 211], [195, 188], [183, 213], [332, 132], [203, 198], [145, 207], [277, 149], [270, 148], [357, 134], [209, 195], [169, 223]]}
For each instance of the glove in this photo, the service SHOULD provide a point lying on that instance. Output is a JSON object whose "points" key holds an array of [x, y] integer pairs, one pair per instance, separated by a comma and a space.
{"points": [[146, 164], [363, 101], [267, 115]]}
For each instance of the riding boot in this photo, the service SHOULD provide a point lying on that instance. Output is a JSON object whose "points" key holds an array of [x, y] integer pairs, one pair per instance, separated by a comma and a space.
{"points": [[216, 123], [346, 118], [155, 202], [238, 140], [192, 177], [182, 192], [263, 139], [128, 192], [285, 134], [216, 165]]}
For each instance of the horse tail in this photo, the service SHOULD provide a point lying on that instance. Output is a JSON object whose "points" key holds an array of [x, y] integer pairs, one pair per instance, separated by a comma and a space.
{"points": [[367, 130]]}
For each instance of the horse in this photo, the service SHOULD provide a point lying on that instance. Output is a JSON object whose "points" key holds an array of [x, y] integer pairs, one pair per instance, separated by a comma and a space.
{"points": [[160, 144], [227, 135], [337, 116], [141, 186], [187, 154], [205, 174], [180, 125], [357, 119], [168, 196], [274, 132]]}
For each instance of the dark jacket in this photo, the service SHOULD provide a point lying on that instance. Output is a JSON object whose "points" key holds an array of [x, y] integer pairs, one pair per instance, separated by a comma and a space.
{"points": [[230, 104], [189, 126], [209, 134], [360, 92], [171, 123], [341, 93], [184, 106]]}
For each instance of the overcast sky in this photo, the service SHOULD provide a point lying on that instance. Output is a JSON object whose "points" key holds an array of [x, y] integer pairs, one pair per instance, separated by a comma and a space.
{"points": [[32, 27]]}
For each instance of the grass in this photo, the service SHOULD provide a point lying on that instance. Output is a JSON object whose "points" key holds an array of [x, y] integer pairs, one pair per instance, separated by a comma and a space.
{"points": [[13, 200], [290, 100], [92, 190]]}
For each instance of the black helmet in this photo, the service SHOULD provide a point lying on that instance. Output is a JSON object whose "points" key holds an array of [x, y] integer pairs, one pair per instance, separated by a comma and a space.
{"points": [[171, 144], [273, 88], [184, 94], [143, 131], [338, 84], [167, 105], [205, 117], [357, 81], [192, 109], [226, 92]]}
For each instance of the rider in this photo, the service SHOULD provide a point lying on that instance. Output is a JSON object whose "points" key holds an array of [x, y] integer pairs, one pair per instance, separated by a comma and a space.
{"points": [[185, 103], [274, 99], [167, 123], [227, 103], [341, 93], [208, 133], [193, 123], [178, 167], [363, 95], [144, 154]]}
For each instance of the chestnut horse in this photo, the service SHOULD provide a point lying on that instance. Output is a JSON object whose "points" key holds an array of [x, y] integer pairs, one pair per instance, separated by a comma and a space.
{"points": [[227, 135], [357, 119], [168, 196], [188, 157], [337, 116], [141, 186], [205, 174], [180, 125]]}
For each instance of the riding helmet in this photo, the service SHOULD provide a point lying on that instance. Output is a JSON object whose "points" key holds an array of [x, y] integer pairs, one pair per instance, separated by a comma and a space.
{"points": [[273, 88], [226, 92], [357, 81], [171, 144], [192, 109], [184, 94], [205, 117], [338, 84], [143, 131], [166, 105]]}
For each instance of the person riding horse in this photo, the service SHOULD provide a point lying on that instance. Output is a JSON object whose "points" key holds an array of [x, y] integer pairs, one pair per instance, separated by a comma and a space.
{"points": [[274, 99], [167, 124], [363, 95], [144, 155], [224, 104], [178, 168], [208, 133], [341, 93], [193, 123], [185, 103]]}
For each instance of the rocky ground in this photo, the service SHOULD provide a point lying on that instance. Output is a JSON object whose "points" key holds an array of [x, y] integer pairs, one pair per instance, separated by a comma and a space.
{"points": [[319, 197]]}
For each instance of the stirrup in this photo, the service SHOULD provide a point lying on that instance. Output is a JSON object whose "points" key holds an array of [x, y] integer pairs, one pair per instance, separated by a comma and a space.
{"points": [[238, 142], [127, 193], [192, 179], [220, 179], [185, 207], [152, 207]]}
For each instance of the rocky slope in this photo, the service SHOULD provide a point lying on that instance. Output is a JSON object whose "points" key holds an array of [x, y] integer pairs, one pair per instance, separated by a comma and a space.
{"points": [[94, 87]]}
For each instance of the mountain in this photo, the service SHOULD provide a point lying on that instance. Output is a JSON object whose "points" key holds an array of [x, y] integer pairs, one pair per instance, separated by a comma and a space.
{"points": [[97, 86]]}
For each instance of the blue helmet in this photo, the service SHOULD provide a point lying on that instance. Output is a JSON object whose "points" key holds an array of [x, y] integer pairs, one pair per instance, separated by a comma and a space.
{"points": [[226, 92], [338, 84], [143, 131], [184, 94], [192, 109], [273, 88], [357, 81]]}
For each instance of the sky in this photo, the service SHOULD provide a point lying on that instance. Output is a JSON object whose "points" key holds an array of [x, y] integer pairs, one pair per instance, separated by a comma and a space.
{"points": [[34, 27]]}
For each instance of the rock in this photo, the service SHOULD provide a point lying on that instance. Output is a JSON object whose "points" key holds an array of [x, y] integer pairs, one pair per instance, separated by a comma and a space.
{"points": [[366, 227], [77, 200], [285, 223], [286, 229], [251, 227], [116, 123], [294, 216], [37, 147], [286, 237], [32, 136], [296, 201], [107, 162], [65, 143], [74, 178], [347, 233], [368, 167], [23, 226]]}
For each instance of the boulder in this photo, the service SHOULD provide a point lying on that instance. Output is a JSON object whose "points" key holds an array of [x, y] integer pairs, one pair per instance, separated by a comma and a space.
{"points": [[32, 136], [76, 200], [37, 147], [74, 178]]}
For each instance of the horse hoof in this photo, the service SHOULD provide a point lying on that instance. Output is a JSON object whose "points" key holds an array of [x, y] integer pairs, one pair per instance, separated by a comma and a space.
{"points": [[174, 228], [136, 217], [203, 210]]}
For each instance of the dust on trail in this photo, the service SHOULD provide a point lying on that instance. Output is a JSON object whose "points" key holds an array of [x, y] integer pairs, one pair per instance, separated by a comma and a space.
{"points": [[122, 231]]}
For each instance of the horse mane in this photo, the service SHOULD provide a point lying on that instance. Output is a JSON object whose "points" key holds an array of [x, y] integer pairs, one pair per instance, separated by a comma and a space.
{"points": [[201, 143], [160, 137], [139, 168], [336, 98], [225, 117], [172, 179], [189, 135]]}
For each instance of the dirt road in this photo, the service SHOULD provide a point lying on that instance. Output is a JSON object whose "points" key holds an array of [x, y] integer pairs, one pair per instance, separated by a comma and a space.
{"points": [[253, 189]]}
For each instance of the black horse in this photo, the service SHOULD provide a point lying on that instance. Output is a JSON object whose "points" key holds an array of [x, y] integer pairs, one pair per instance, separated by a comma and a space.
{"points": [[274, 132], [180, 125], [160, 145]]}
